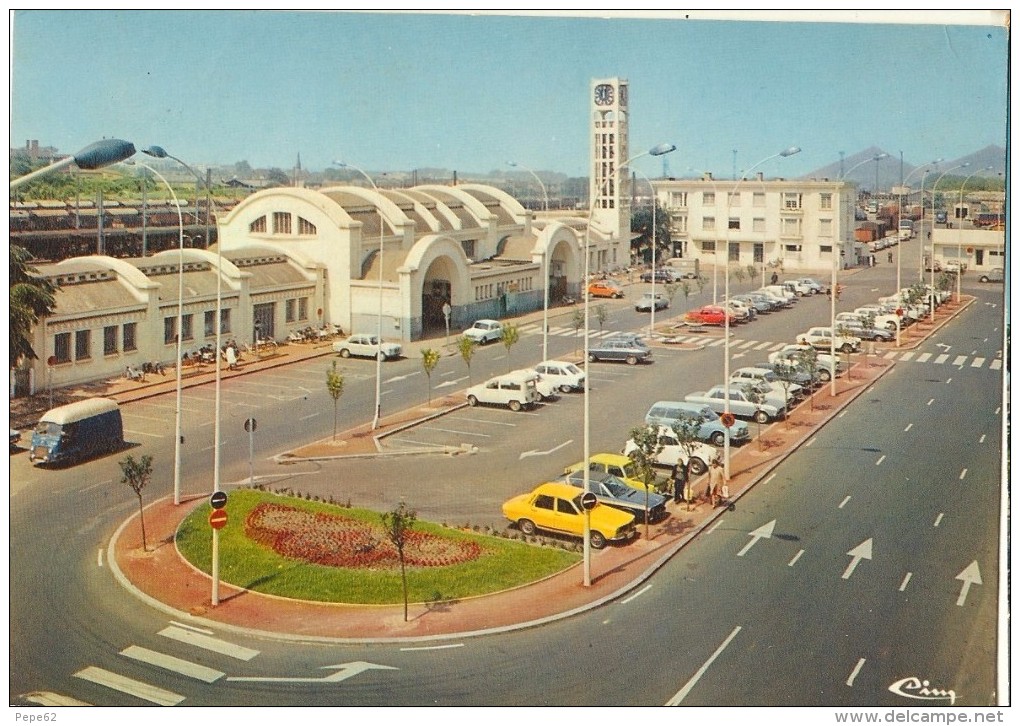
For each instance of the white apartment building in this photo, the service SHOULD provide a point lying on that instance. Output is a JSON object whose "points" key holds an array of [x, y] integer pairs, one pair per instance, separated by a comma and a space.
{"points": [[789, 225]]}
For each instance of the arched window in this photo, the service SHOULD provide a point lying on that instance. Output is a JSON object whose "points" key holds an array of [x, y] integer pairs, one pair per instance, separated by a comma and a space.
{"points": [[259, 225], [305, 227]]}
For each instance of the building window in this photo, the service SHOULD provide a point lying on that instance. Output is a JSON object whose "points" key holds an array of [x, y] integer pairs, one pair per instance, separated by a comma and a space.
{"points": [[734, 223], [792, 248], [62, 347], [825, 249], [680, 224], [758, 224], [302, 309], [708, 199], [225, 320], [187, 325], [169, 330], [825, 200], [468, 245], [281, 223], [759, 252], [733, 199], [759, 199], [130, 335], [82, 344], [678, 199], [825, 227], [305, 227], [289, 310], [708, 246], [209, 324], [791, 226], [792, 200], [110, 340], [708, 223], [734, 252], [259, 225]]}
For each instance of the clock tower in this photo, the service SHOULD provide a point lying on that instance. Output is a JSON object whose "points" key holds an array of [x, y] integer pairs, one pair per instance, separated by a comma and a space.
{"points": [[610, 194]]}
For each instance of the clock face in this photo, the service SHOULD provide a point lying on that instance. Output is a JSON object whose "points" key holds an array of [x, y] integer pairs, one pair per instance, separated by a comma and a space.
{"points": [[603, 94]]}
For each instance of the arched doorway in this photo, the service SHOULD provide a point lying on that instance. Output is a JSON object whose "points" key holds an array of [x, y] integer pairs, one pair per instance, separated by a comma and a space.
{"points": [[436, 290]]}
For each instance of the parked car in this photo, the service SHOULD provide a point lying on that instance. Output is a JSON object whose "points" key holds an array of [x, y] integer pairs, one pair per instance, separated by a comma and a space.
{"points": [[778, 300], [565, 376], [798, 288], [365, 345], [605, 288], [785, 371], [709, 315], [711, 429], [749, 374], [996, 274], [610, 490], [646, 301], [740, 402], [673, 453], [857, 330], [885, 321], [515, 390], [485, 331], [662, 274], [816, 287], [825, 366], [620, 466], [781, 292], [546, 388], [631, 351], [556, 507], [821, 338], [77, 431], [760, 305], [15, 438], [743, 310]]}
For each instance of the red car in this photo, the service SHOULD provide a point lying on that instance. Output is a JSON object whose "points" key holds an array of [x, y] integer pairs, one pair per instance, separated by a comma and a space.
{"points": [[709, 315]]}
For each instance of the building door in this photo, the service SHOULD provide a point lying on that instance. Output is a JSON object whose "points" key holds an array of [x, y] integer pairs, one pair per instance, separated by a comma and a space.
{"points": [[264, 320], [433, 295], [979, 258], [759, 252]]}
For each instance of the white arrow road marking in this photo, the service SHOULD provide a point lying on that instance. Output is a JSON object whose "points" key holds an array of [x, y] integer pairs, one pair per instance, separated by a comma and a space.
{"points": [[971, 575], [343, 672], [454, 382], [856, 670], [145, 691], [535, 452], [204, 641], [860, 552], [763, 531], [400, 378]]}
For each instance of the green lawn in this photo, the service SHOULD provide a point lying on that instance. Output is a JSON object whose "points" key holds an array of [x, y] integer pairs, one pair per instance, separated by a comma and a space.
{"points": [[245, 563]]}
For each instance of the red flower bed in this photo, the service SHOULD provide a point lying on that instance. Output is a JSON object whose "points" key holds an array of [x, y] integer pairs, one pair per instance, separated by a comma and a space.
{"points": [[338, 541]]}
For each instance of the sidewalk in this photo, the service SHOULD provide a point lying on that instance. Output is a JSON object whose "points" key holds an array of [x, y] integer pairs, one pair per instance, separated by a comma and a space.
{"points": [[162, 578]]}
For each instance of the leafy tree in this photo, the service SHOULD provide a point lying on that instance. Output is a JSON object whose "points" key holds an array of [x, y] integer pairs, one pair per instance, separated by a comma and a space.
{"points": [[398, 524], [335, 386], [752, 274], [686, 430], [648, 447], [277, 177], [784, 370], [601, 314], [685, 288], [843, 330], [641, 221], [510, 336], [31, 299], [137, 474], [806, 361], [467, 347], [701, 281], [757, 398], [577, 320], [740, 273], [429, 361]]}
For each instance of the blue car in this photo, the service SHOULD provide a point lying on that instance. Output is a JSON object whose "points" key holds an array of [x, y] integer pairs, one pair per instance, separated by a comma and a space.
{"points": [[712, 431], [611, 490]]}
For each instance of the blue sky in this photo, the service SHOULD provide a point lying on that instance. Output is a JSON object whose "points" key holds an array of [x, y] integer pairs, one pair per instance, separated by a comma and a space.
{"points": [[404, 91]]}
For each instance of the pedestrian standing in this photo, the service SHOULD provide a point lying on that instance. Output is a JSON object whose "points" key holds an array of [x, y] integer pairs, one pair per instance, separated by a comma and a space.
{"points": [[716, 482], [679, 477]]}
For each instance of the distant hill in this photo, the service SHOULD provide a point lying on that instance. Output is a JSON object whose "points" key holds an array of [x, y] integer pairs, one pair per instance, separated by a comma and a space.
{"points": [[889, 167]]}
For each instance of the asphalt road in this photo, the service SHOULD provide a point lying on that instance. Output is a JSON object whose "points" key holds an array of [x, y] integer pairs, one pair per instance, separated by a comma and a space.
{"points": [[779, 627]]}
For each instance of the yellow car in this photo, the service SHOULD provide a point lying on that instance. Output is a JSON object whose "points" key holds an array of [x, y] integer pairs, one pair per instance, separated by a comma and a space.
{"points": [[556, 507], [619, 465]]}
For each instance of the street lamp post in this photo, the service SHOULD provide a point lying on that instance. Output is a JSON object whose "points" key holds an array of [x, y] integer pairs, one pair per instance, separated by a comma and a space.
{"points": [[959, 238], [920, 233], [934, 189], [651, 324], [378, 356], [546, 263], [715, 242], [726, 303], [654, 151], [94, 156]]}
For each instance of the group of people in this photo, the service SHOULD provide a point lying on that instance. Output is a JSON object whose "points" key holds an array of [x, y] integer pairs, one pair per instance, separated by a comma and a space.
{"points": [[716, 493]]}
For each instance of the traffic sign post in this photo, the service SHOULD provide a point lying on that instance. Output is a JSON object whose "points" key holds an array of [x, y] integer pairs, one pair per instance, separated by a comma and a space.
{"points": [[218, 500], [728, 419], [218, 518], [250, 425], [588, 501]]}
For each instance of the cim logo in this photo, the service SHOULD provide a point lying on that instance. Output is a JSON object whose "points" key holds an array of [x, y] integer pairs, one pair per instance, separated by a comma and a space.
{"points": [[920, 690]]}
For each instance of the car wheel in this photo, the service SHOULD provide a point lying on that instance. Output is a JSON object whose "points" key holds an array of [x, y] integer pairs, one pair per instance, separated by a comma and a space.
{"points": [[344, 353], [697, 466], [825, 375], [564, 388], [598, 541], [527, 526], [514, 405], [718, 438], [631, 360], [890, 326], [847, 348], [761, 417], [592, 358], [380, 355], [472, 401], [983, 278]]}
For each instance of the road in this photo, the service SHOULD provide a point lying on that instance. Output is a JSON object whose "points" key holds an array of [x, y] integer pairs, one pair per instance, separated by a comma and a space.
{"points": [[775, 623]]}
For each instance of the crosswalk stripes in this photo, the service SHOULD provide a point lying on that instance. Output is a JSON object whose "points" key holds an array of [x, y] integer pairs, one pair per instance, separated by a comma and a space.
{"points": [[907, 356], [170, 663], [959, 360], [995, 364], [923, 358], [207, 642], [139, 689], [940, 359], [977, 363]]}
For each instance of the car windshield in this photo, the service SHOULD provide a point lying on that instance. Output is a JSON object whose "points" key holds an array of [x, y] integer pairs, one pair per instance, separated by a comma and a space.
{"points": [[571, 368], [616, 487], [46, 428]]}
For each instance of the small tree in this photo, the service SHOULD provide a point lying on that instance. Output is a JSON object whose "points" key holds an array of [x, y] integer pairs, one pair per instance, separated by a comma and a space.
{"points": [[647, 448], [740, 274], [685, 288], [757, 398], [136, 474], [686, 430], [784, 370], [752, 273], [807, 361], [429, 361], [577, 320], [601, 314], [335, 386], [701, 281], [671, 289], [511, 334], [843, 331], [398, 524], [467, 347]]}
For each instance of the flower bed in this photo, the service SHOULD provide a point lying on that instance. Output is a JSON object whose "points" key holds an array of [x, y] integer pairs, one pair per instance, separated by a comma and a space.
{"points": [[337, 541]]}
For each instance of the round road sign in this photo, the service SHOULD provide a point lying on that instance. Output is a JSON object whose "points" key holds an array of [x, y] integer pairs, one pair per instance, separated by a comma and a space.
{"points": [[218, 500], [250, 425], [51, 361], [728, 419], [588, 501], [218, 518]]}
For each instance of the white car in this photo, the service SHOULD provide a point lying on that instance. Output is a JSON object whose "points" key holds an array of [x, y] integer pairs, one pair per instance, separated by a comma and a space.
{"points": [[827, 366], [366, 346], [546, 388], [882, 320], [815, 286], [485, 331], [769, 378], [646, 301], [515, 390], [672, 452], [565, 376], [821, 337], [798, 288]]}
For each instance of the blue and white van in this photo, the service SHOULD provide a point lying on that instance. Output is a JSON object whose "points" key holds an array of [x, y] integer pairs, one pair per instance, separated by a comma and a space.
{"points": [[77, 431]]}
